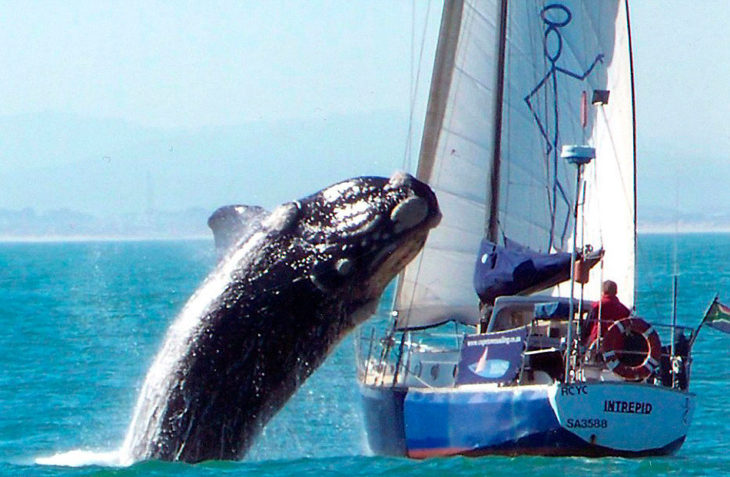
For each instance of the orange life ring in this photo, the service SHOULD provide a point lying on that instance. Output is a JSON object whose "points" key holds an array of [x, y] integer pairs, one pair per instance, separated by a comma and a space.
{"points": [[615, 342]]}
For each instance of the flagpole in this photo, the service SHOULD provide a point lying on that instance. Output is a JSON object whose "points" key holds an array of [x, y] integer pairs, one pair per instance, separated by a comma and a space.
{"points": [[707, 312], [674, 321]]}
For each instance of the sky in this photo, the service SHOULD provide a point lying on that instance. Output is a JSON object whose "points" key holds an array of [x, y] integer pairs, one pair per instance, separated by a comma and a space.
{"points": [[81, 80], [125, 106], [682, 65], [191, 64]]}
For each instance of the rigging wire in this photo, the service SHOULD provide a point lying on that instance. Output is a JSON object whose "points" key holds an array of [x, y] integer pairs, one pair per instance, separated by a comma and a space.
{"points": [[411, 87], [675, 247], [414, 80], [656, 290], [408, 153], [675, 257]]}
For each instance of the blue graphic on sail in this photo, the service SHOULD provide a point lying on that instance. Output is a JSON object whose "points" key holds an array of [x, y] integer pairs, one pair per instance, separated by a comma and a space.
{"points": [[555, 16]]}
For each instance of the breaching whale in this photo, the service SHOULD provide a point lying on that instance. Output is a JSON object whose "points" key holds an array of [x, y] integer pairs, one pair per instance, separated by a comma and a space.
{"points": [[271, 311]]}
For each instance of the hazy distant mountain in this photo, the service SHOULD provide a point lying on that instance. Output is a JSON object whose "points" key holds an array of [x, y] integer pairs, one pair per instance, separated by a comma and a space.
{"points": [[65, 223], [109, 169], [667, 220], [67, 175]]}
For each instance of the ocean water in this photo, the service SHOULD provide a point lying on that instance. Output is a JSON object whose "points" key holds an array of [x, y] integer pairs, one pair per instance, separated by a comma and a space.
{"points": [[81, 323]]}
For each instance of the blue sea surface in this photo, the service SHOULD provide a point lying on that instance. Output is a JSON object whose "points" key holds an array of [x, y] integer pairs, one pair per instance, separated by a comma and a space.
{"points": [[82, 321]]}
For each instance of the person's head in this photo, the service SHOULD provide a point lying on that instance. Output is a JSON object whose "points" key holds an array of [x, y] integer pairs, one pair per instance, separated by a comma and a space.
{"points": [[610, 288]]}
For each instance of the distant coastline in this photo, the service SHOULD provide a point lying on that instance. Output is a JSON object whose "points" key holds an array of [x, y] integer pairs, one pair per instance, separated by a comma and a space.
{"points": [[697, 227], [8, 239], [661, 230], [64, 225]]}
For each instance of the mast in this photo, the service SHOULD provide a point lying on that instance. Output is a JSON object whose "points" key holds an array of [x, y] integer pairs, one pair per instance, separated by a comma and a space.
{"points": [[493, 218], [464, 156]]}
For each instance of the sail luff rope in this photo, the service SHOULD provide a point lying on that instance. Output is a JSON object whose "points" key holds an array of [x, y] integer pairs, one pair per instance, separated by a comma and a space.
{"points": [[411, 90]]}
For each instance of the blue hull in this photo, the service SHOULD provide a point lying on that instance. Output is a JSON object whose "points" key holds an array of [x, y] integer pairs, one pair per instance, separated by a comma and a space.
{"points": [[421, 423], [384, 425]]}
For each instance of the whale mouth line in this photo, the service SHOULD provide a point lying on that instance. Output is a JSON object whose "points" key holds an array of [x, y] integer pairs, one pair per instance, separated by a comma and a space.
{"points": [[386, 264]]}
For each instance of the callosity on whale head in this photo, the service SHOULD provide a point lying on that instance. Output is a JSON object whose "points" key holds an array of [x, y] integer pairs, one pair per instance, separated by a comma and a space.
{"points": [[363, 231], [286, 292]]}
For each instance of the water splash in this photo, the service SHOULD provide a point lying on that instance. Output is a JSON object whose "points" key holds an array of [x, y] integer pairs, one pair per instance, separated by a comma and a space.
{"points": [[81, 458], [162, 375]]}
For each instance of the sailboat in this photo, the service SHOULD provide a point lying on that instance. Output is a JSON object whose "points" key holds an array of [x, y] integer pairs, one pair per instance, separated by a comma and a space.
{"points": [[529, 143]]}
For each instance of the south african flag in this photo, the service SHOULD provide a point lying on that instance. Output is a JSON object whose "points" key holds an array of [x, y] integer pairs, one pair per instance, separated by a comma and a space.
{"points": [[718, 316]]}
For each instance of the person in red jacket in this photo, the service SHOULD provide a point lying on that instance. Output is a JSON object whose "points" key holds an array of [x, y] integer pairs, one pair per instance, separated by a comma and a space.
{"points": [[609, 308]]}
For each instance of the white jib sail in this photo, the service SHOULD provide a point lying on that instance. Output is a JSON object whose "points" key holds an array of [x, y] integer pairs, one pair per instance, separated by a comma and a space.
{"points": [[455, 160]]}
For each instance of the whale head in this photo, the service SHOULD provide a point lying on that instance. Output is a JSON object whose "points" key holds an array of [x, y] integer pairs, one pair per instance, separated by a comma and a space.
{"points": [[363, 231], [347, 241], [353, 237]]}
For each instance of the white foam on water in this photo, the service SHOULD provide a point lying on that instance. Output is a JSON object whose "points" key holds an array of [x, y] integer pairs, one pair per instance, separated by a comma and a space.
{"points": [[81, 458]]}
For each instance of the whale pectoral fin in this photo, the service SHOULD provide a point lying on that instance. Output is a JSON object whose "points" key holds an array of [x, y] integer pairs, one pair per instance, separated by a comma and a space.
{"points": [[232, 224]]}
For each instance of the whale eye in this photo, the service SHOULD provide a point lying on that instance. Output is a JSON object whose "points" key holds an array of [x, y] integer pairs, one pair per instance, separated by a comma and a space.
{"points": [[328, 275], [344, 266]]}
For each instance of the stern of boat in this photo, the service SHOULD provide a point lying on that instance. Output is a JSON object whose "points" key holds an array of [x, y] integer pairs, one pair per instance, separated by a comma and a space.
{"points": [[621, 418]]}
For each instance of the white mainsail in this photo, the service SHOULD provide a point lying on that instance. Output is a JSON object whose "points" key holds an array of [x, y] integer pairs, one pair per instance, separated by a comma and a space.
{"points": [[610, 210], [512, 121]]}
